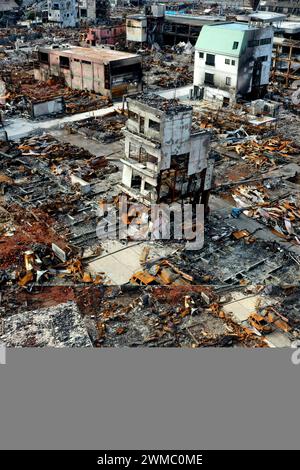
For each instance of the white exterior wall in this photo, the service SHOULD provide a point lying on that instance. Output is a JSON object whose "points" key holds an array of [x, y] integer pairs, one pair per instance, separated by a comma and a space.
{"points": [[174, 134], [65, 15], [240, 73], [136, 30], [172, 138], [196, 147], [221, 71], [90, 7]]}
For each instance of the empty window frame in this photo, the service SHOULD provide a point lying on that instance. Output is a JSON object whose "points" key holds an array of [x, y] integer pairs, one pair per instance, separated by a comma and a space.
{"points": [[44, 57], [228, 81], [107, 80], [253, 43], [262, 58], [134, 152], [133, 116], [136, 182], [227, 61], [209, 79], [148, 186], [264, 41], [235, 45], [153, 125], [142, 125], [64, 62], [145, 157], [210, 59], [180, 162]]}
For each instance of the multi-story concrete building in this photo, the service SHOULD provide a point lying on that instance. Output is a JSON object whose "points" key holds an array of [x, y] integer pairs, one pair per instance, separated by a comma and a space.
{"points": [[136, 28], [111, 73], [291, 7], [163, 27], [109, 35], [63, 13], [165, 161], [91, 10], [232, 61], [87, 10]]}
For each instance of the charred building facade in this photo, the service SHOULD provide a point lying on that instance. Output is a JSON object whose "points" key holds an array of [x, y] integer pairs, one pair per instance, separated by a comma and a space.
{"points": [[165, 161], [111, 73], [165, 28], [63, 13]]}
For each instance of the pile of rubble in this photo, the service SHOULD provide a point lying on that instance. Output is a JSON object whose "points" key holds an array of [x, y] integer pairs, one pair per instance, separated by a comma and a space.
{"points": [[45, 205], [270, 151], [167, 70], [225, 121], [108, 129], [191, 317], [281, 216], [23, 91]]}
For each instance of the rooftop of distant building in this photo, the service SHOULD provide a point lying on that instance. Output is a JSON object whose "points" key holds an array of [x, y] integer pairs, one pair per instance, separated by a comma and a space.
{"points": [[92, 53]]}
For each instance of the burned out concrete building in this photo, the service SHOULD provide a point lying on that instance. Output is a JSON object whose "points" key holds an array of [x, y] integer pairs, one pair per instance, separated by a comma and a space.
{"points": [[291, 7], [87, 9], [165, 161], [110, 73], [136, 28], [91, 10], [232, 61], [63, 13], [106, 35], [156, 25]]}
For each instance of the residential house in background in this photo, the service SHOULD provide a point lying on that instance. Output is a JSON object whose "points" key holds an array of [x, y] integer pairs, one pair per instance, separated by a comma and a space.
{"points": [[232, 61], [165, 161]]}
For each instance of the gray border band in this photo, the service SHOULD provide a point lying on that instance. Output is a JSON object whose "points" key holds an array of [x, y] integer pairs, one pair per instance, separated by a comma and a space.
{"points": [[149, 399]]}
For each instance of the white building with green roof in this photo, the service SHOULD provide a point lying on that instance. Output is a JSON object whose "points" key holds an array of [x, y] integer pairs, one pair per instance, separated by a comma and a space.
{"points": [[232, 61]]}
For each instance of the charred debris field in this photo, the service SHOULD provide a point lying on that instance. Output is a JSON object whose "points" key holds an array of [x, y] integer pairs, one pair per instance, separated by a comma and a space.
{"points": [[151, 108]]}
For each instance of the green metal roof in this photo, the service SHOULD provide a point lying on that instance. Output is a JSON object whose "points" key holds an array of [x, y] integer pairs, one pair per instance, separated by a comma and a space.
{"points": [[219, 38]]}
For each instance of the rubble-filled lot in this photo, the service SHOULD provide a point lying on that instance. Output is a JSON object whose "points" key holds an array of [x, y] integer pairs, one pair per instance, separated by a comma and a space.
{"points": [[105, 130], [252, 316], [45, 200], [52, 192], [23, 91], [61, 285], [168, 68]]}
